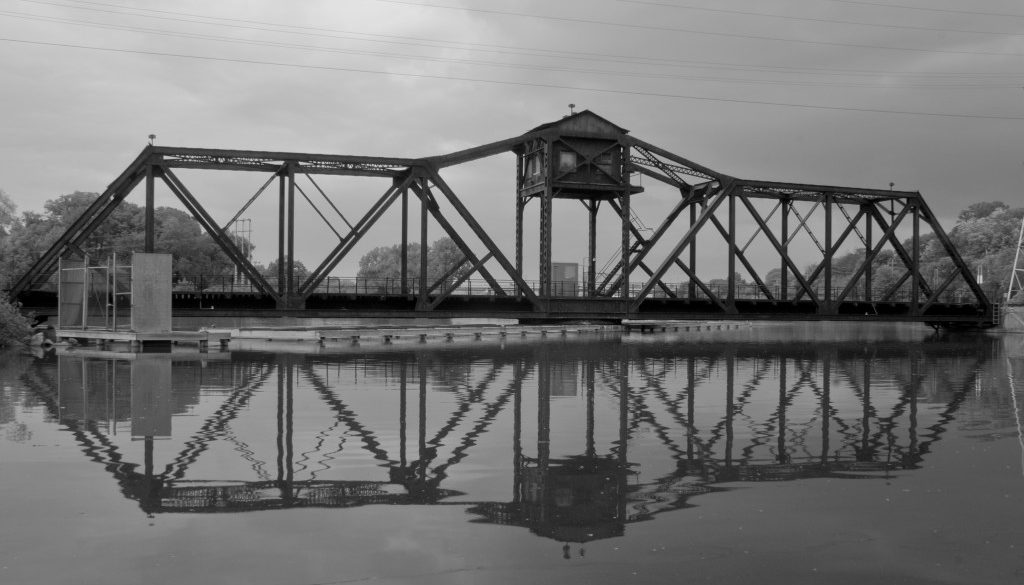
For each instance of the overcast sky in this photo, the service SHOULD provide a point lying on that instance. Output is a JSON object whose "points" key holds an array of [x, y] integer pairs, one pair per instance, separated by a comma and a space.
{"points": [[925, 94]]}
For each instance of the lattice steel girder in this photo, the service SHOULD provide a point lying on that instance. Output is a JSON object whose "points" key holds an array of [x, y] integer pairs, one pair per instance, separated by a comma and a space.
{"points": [[270, 162], [807, 192]]}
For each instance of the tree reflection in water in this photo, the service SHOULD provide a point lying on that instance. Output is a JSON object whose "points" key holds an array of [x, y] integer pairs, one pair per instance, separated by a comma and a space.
{"points": [[601, 434]]}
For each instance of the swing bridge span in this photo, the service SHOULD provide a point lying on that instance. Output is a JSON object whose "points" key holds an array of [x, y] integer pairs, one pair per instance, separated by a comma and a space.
{"points": [[653, 273]]}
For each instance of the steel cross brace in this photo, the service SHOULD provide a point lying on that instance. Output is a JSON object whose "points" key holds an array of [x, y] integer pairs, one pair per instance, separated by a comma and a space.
{"points": [[739, 253], [445, 294], [835, 248], [217, 233], [778, 247], [318, 212], [642, 246], [255, 196], [907, 259], [938, 291], [362, 226], [686, 240], [870, 258], [425, 194], [460, 208]]}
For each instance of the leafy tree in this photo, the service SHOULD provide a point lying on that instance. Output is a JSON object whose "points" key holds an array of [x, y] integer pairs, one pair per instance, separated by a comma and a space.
{"points": [[385, 262], [8, 214], [270, 270], [122, 232], [981, 210], [985, 237], [13, 325]]}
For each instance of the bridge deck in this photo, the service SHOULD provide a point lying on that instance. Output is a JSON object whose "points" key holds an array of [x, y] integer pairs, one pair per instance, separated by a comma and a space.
{"points": [[392, 306]]}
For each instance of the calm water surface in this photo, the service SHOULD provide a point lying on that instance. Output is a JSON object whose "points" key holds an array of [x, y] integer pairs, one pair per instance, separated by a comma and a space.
{"points": [[795, 454]]}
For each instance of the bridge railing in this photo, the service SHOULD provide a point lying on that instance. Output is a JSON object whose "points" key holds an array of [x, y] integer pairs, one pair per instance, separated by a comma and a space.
{"points": [[340, 285]]}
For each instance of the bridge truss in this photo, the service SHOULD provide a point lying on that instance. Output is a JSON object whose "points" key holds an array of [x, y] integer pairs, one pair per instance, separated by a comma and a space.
{"points": [[866, 245]]}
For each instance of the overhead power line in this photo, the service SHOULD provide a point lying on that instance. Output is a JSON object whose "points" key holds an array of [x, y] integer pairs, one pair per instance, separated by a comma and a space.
{"points": [[930, 9], [636, 74], [515, 83], [652, 27], [821, 20], [589, 56]]}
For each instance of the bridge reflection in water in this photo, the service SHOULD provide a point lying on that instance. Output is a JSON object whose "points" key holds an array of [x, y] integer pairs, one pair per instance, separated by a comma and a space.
{"points": [[573, 441]]}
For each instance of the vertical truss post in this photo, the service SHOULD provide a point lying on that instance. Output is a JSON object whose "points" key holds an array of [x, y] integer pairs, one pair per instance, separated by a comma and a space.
{"points": [[543, 414], [589, 376], [868, 257], [517, 431], [784, 275], [520, 205], [150, 242], [826, 403], [290, 259], [422, 423], [915, 255], [405, 241], [865, 437], [545, 242], [691, 390], [692, 285], [282, 223], [625, 242], [421, 302], [782, 456], [731, 279], [280, 424], [592, 247], [730, 404], [403, 383], [827, 306]]}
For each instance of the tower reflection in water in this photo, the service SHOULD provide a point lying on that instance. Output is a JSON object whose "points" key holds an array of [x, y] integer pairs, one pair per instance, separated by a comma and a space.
{"points": [[572, 441]]}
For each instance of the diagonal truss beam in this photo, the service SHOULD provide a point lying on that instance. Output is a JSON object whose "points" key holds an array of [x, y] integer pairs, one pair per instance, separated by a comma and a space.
{"points": [[805, 286], [958, 260], [729, 236], [850, 227], [907, 258], [216, 232], [688, 238], [455, 285], [425, 194], [345, 246], [86, 223], [869, 260], [460, 208], [643, 246]]}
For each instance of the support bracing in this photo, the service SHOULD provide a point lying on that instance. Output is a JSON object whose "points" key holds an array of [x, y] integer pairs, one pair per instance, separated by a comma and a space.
{"points": [[746, 249]]}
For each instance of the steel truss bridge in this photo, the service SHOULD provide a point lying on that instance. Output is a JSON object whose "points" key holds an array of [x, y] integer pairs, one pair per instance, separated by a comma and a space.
{"points": [[652, 272], [720, 411]]}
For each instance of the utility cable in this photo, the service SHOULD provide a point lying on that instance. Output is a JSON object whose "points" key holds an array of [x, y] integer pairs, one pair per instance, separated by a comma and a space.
{"points": [[518, 83]]}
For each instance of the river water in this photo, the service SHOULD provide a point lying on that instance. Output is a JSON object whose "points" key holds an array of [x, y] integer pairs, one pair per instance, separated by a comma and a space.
{"points": [[769, 454]]}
